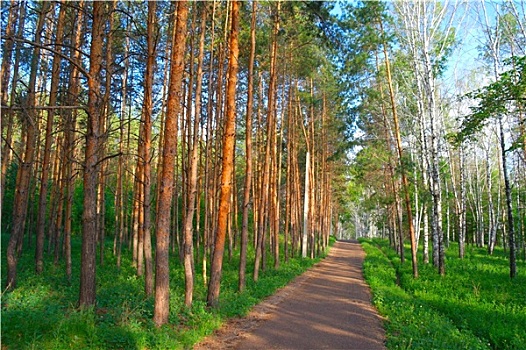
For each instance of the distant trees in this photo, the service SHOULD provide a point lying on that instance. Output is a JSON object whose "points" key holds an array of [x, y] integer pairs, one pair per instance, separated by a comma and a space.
{"points": [[505, 96], [464, 146]]}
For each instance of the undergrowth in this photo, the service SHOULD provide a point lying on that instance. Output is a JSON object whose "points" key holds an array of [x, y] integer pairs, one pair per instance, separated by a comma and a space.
{"points": [[41, 313], [474, 306]]}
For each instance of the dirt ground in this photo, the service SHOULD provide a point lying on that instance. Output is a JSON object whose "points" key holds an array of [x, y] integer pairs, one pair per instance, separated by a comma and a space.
{"points": [[328, 307]]}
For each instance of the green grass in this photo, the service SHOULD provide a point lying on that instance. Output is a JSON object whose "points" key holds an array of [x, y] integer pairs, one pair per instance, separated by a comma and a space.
{"points": [[475, 306], [41, 312]]}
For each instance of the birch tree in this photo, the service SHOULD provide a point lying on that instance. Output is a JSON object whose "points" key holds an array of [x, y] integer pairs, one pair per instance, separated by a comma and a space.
{"points": [[496, 100], [427, 33]]}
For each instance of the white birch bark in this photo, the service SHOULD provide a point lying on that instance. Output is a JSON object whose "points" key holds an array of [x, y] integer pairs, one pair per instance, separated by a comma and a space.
{"points": [[424, 26], [494, 41]]}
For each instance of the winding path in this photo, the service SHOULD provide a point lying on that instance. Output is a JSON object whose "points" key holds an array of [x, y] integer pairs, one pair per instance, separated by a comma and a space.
{"points": [[328, 307]]}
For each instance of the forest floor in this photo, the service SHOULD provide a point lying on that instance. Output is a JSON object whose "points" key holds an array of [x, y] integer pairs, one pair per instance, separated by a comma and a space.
{"points": [[328, 307]]}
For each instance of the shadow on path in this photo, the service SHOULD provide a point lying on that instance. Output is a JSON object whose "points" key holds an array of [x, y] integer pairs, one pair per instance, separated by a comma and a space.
{"points": [[328, 307]]}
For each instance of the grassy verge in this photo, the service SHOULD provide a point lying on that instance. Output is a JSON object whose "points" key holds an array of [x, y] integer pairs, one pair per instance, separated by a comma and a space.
{"points": [[41, 313], [475, 306]]}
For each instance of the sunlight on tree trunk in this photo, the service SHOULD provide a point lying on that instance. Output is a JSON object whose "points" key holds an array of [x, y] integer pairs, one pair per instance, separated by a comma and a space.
{"points": [[162, 277], [228, 160]]}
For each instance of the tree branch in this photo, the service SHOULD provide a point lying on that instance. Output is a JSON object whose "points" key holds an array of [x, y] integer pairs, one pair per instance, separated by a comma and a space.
{"points": [[19, 107], [41, 46]]}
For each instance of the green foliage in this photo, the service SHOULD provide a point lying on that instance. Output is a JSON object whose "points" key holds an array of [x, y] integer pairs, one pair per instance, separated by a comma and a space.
{"points": [[475, 306], [41, 313], [497, 99], [9, 196]]}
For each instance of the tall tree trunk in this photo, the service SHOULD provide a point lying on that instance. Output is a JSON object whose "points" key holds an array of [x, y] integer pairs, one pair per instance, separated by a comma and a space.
{"points": [[425, 178], [228, 160], [509, 208], [397, 217], [59, 198], [494, 44], [162, 277], [276, 199], [258, 164], [7, 56], [136, 212], [309, 137], [265, 184], [462, 208], [248, 151], [42, 202], [193, 158], [306, 205], [208, 172], [25, 169], [436, 191], [147, 134], [121, 225], [426, 30], [71, 117], [87, 295], [492, 229], [289, 216], [7, 52], [54, 203], [405, 182], [104, 125]]}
